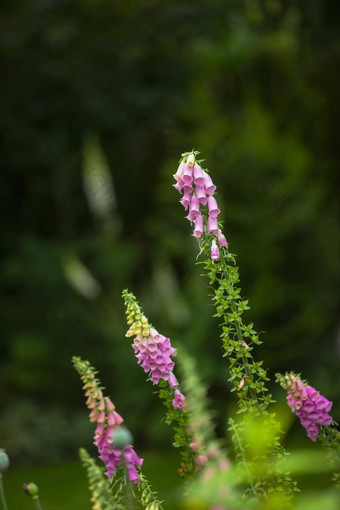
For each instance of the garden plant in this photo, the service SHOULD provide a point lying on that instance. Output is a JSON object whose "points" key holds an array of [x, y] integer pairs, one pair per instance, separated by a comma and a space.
{"points": [[250, 467]]}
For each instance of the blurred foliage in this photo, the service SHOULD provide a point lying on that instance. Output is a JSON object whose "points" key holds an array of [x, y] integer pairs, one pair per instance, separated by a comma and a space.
{"points": [[99, 98]]}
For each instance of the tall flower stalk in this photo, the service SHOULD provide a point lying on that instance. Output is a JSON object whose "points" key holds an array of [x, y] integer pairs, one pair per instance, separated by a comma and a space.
{"points": [[154, 354], [247, 376], [103, 412]]}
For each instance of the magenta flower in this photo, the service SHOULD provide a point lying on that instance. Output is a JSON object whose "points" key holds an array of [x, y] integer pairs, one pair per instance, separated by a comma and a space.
{"points": [[215, 252], [153, 350], [307, 403], [154, 355], [198, 189], [179, 400], [103, 412]]}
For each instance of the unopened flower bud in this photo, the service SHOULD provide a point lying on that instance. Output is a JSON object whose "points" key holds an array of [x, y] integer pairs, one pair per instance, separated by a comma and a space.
{"points": [[31, 490], [191, 160], [122, 437], [4, 461]]}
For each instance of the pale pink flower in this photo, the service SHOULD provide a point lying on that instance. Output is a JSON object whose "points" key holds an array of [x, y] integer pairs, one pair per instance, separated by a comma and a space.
{"points": [[201, 195], [221, 239], [213, 225], [215, 252], [199, 179], [198, 230], [208, 183], [187, 175], [213, 207]]}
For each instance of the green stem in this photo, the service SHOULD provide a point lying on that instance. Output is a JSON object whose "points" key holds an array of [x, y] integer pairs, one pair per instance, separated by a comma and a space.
{"points": [[130, 500], [239, 334], [242, 453], [2, 495], [37, 504]]}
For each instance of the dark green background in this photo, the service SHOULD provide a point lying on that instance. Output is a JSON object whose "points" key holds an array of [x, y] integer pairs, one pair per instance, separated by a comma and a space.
{"points": [[254, 86]]}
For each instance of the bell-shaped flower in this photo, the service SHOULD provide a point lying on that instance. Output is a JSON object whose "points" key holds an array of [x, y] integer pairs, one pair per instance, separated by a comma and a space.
{"points": [[179, 174], [199, 223], [187, 175], [214, 252], [208, 183], [194, 206], [201, 195], [213, 207], [213, 225], [198, 175], [222, 240]]}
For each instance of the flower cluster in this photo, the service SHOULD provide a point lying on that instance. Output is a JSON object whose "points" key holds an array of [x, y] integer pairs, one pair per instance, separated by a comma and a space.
{"points": [[307, 403], [102, 412], [198, 190], [153, 350]]}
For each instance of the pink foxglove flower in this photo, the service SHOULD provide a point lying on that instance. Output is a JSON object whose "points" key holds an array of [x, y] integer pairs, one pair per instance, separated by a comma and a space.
{"points": [[102, 411], [213, 225], [201, 195], [194, 206], [213, 207], [198, 230], [187, 175], [215, 252], [153, 350], [154, 355], [307, 403], [208, 183], [221, 239], [179, 400], [198, 189], [179, 174], [199, 178]]}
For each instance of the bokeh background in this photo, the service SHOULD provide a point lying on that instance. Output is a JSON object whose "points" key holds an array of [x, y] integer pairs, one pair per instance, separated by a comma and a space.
{"points": [[99, 99]]}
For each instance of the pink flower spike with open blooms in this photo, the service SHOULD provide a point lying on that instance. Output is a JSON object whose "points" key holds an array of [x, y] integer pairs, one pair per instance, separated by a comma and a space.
{"points": [[198, 189], [215, 252], [153, 350], [307, 403], [108, 421]]}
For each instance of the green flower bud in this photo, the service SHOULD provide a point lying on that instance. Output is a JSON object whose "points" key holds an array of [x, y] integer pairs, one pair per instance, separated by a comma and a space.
{"points": [[4, 461], [31, 490], [122, 437]]}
